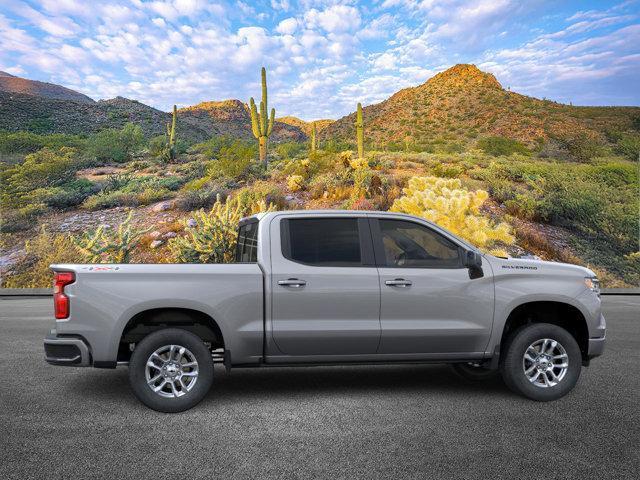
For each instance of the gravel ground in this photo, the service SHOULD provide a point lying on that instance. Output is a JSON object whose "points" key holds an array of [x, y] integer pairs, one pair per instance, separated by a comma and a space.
{"points": [[408, 421]]}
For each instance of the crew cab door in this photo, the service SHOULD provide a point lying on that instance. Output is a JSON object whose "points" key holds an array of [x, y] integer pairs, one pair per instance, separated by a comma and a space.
{"points": [[324, 286], [430, 305]]}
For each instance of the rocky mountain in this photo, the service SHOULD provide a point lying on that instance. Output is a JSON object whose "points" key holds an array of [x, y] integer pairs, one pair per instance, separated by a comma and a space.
{"points": [[16, 85], [48, 108], [464, 103], [232, 117], [305, 126]]}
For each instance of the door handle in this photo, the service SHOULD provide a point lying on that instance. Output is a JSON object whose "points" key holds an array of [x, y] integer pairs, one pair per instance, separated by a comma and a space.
{"points": [[398, 282], [292, 282]]}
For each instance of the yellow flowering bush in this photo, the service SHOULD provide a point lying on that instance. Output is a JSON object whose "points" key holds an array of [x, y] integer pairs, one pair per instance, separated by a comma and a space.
{"points": [[444, 201], [295, 182], [211, 236]]}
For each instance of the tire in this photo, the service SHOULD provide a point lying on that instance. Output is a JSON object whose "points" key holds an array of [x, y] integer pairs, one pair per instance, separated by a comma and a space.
{"points": [[173, 352], [542, 375], [472, 373]]}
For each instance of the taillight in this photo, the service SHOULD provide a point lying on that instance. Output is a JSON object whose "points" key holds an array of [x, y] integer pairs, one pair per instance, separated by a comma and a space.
{"points": [[60, 300]]}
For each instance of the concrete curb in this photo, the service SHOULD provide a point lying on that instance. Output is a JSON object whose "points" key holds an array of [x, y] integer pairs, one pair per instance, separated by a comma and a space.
{"points": [[26, 292], [45, 292]]}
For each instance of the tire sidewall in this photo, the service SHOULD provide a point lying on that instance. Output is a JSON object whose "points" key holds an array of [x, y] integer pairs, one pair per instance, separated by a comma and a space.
{"points": [[513, 372], [150, 344]]}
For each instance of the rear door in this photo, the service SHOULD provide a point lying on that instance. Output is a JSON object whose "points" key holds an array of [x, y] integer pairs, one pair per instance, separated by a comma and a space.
{"points": [[430, 305], [324, 284]]}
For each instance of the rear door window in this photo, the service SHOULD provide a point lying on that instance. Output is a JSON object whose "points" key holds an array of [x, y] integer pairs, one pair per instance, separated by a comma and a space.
{"points": [[325, 241]]}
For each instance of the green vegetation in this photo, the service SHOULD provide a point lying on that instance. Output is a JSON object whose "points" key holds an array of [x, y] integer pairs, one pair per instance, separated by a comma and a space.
{"points": [[170, 152], [27, 142], [498, 146], [313, 139], [116, 145], [213, 237], [109, 245], [261, 125], [360, 131]]}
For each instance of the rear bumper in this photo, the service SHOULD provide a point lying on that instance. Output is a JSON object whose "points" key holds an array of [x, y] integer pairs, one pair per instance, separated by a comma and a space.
{"points": [[66, 351]]}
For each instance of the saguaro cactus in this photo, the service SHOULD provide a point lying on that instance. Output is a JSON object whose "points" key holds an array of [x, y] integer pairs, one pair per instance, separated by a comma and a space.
{"points": [[314, 138], [260, 124], [171, 136], [360, 132]]}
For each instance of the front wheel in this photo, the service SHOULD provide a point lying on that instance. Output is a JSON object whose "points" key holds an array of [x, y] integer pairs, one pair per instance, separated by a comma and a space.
{"points": [[171, 370], [542, 362]]}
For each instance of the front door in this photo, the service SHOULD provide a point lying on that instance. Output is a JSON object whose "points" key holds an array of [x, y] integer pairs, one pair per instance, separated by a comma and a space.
{"points": [[429, 303], [324, 284]]}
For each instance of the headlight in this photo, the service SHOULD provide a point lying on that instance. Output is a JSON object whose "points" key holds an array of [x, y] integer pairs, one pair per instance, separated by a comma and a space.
{"points": [[593, 284]]}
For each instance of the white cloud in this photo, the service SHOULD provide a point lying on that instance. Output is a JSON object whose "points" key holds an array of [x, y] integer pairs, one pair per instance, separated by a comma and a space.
{"points": [[159, 22], [287, 26], [335, 19]]}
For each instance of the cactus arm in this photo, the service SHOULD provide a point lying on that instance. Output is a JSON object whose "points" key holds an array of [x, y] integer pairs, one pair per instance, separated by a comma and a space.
{"points": [[254, 118], [271, 120]]}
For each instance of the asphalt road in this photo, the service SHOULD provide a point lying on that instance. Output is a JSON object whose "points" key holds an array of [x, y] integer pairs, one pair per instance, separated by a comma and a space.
{"points": [[409, 421]]}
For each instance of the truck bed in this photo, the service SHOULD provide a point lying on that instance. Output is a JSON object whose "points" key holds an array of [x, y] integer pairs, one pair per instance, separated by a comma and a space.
{"points": [[104, 298]]}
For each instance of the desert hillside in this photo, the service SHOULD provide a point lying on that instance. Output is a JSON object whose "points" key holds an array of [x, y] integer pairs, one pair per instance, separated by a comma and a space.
{"points": [[514, 175], [11, 84], [463, 103]]}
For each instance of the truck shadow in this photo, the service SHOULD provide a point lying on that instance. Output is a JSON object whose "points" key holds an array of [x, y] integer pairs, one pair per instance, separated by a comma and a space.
{"points": [[323, 380], [284, 382]]}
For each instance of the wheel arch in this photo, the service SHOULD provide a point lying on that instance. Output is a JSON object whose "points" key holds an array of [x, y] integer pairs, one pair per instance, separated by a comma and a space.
{"points": [[153, 319], [562, 314]]}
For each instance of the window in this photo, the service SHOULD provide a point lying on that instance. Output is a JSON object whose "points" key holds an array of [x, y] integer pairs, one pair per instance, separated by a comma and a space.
{"points": [[322, 241], [247, 247], [408, 244]]}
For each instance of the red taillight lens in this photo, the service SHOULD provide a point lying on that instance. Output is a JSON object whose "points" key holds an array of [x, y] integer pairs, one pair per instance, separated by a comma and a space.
{"points": [[60, 300]]}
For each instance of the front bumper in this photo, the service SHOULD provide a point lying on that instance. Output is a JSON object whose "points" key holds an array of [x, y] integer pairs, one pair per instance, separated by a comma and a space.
{"points": [[67, 351], [596, 347]]}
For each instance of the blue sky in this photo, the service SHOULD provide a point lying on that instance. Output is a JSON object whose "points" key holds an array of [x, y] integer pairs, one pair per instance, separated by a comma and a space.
{"points": [[322, 56]]}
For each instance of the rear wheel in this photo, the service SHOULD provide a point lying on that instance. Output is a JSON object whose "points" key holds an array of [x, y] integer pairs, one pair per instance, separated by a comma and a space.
{"points": [[542, 362], [171, 370]]}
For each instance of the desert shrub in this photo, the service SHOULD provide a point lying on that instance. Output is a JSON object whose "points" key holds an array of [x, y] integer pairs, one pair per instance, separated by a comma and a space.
{"points": [[190, 200], [523, 206], [68, 195], [447, 170], [43, 250], [498, 146], [234, 159], [157, 145], [124, 198], [213, 237], [295, 182], [23, 218], [289, 150], [629, 146], [447, 203], [108, 245], [581, 146], [42, 169], [116, 145], [260, 191], [211, 148], [110, 200], [27, 142]]}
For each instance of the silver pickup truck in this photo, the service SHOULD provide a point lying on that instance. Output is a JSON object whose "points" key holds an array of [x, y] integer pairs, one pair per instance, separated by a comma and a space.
{"points": [[330, 287]]}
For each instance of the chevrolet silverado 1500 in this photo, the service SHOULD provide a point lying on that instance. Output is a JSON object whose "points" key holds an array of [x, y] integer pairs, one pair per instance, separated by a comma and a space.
{"points": [[330, 287]]}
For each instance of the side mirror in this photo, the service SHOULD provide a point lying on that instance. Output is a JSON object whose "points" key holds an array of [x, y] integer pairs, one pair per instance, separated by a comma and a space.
{"points": [[472, 259]]}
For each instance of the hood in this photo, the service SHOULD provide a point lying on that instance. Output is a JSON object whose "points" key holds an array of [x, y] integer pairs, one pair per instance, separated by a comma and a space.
{"points": [[524, 265]]}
